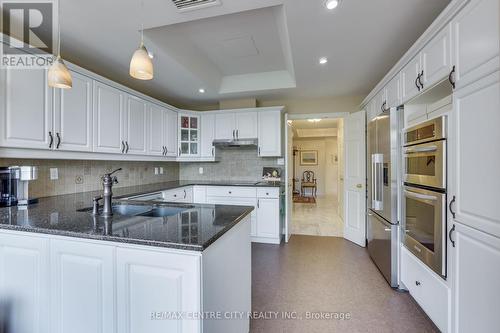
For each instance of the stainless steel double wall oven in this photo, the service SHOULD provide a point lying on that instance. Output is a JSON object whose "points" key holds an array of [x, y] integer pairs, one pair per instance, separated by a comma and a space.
{"points": [[424, 194]]}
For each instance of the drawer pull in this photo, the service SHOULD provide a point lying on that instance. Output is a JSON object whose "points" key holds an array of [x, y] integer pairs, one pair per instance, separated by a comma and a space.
{"points": [[230, 192], [267, 193], [417, 249], [417, 283]]}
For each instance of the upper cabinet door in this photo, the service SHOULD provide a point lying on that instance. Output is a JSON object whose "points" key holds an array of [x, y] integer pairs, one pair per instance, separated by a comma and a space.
{"points": [[409, 78], [170, 128], [207, 135], [225, 127], [108, 119], [156, 132], [476, 41], [246, 125], [393, 92], [189, 135], [436, 58], [73, 115], [136, 120], [25, 109], [269, 133]]}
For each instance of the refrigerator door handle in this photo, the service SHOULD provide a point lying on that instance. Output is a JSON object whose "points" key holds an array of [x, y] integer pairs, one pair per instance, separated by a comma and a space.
{"points": [[377, 179]]}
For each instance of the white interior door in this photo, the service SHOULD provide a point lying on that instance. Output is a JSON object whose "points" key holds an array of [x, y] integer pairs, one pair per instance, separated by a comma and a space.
{"points": [[355, 178], [288, 179]]}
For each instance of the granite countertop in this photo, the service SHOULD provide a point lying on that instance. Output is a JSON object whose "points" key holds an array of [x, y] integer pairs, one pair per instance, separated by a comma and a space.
{"points": [[190, 227]]}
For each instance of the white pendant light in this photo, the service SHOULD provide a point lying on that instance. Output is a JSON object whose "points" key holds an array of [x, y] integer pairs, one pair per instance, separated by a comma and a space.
{"points": [[141, 66], [58, 74]]}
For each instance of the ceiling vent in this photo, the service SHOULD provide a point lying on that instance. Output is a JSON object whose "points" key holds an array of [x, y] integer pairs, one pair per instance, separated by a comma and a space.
{"points": [[185, 5]]}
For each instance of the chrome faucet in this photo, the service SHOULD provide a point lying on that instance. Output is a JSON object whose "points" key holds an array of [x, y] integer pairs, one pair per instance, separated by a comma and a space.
{"points": [[108, 181]]}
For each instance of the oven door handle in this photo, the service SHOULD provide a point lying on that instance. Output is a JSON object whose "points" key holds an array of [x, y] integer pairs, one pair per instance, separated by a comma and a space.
{"points": [[420, 196], [421, 150]]}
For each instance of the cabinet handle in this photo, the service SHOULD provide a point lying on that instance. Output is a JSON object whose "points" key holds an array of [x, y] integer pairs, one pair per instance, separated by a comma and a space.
{"points": [[450, 206], [163, 150], [126, 144], [237, 134], [213, 151], [233, 135], [452, 230], [258, 203], [417, 283], [185, 194], [179, 152], [51, 138], [259, 150], [420, 79], [451, 78], [416, 82], [123, 146], [58, 140]]}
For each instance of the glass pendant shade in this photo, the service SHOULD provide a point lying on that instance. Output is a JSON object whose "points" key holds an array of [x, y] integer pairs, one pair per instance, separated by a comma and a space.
{"points": [[141, 66], [59, 75]]}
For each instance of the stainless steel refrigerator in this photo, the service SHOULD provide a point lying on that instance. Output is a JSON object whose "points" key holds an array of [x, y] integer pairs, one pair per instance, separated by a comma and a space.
{"points": [[384, 177]]}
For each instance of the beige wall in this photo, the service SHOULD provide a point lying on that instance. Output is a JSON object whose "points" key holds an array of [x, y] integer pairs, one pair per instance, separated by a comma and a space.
{"points": [[326, 172], [83, 176]]}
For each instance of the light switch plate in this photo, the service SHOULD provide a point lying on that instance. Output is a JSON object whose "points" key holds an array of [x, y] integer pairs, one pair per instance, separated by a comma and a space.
{"points": [[156, 171], [280, 161], [54, 174], [161, 170], [200, 170]]}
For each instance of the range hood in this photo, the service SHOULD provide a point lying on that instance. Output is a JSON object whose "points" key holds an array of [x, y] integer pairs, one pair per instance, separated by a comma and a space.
{"points": [[235, 142]]}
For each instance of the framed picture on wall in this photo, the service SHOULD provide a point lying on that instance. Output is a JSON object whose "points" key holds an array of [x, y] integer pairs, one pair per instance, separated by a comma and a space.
{"points": [[309, 157]]}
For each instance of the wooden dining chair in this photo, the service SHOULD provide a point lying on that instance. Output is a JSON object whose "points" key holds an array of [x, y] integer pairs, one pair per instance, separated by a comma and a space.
{"points": [[308, 181]]}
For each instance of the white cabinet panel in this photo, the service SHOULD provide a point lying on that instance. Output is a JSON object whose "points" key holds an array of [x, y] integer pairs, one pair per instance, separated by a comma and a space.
{"points": [[436, 58], [246, 125], [207, 135], [156, 130], [237, 201], [108, 118], [268, 211], [82, 287], [136, 124], [393, 92], [24, 283], [409, 76], [270, 133], [171, 133], [476, 288], [25, 109], [476, 184], [150, 282], [476, 35], [224, 126], [73, 115]]}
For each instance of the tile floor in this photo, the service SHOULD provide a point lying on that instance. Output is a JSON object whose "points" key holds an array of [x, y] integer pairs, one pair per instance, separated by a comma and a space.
{"points": [[319, 219], [328, 274]]}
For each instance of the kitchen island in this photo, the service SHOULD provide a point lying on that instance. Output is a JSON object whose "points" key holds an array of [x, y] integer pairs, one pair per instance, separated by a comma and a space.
{"points": [[152, 267]]}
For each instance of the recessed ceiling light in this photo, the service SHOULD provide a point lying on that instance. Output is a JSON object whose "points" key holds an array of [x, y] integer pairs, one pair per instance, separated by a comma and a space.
{"points": [[323, 60], [201, 91], [332, 4]]}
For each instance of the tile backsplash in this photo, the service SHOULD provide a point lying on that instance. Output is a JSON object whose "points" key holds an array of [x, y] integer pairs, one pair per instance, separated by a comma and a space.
{"points": [[235, 164], [76, 176]]}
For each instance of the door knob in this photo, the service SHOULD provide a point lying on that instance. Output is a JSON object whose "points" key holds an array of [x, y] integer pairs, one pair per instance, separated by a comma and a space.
{"points": [[359, 186]]}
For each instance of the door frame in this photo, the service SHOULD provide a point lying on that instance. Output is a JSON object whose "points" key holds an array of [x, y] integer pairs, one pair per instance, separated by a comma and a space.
{"points": [[303, 116]]}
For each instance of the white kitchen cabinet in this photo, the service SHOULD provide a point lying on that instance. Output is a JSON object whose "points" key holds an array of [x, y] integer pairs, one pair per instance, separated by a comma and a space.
{"points": [[24, 282], [26, 109], [371, 111], [476, 275], [246, 125], [171, 123], [207, 135], [189, 135], [135, 126], [224, 126], [475, 158], [381, 101], [476, 35], [268, 212], [73, 115], [150, 282], [270, 133], [82, 281], [156, 130], [393, 92], [108, 119], [237, 201], [409, 79], [436, 58]]}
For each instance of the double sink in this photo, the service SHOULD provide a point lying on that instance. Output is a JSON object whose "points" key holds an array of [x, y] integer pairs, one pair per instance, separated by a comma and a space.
{"points": [[142, 210]]}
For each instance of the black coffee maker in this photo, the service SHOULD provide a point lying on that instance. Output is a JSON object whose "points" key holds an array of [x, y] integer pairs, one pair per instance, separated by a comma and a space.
{"points": [[9, 179]]}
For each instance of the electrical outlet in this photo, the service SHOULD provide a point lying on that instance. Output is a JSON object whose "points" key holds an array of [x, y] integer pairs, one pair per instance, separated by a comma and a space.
{"points": [[280, 161], [79, 179], [156, 171], [161, 170], [200, 170], [54, 174]]}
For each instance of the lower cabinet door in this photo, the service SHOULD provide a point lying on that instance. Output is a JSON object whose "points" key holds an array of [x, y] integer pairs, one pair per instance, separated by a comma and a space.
{"points": [[24, 263], [82, 287], [236, 202], [476, 290], [268, 211], [154, 286]]}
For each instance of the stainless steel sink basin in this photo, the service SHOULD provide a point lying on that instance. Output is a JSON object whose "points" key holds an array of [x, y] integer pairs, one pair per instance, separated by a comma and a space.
{"points": [[130, 210], [164, 211], [140, 210]]}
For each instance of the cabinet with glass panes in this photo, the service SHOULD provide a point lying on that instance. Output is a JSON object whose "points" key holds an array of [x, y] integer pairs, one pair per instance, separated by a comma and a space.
{"points": [[189, 135]]}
